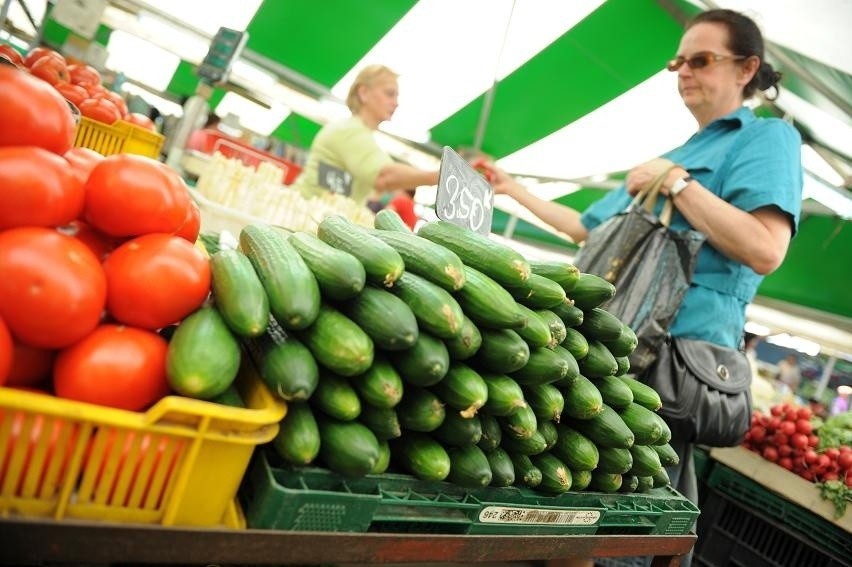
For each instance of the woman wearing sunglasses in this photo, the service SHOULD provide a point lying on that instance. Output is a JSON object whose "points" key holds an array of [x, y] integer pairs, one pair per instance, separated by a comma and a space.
{"points": [[738, 180]]}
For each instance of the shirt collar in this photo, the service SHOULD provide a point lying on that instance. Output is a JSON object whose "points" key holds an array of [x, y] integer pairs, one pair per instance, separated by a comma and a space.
{"points": [[743, 116]]}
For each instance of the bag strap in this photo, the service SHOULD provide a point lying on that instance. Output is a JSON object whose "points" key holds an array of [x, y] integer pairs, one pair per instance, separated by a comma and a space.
{"points": [[647, 198]]}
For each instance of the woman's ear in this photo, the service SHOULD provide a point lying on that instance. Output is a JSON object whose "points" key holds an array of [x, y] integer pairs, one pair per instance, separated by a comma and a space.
{"points": [[748, 69]]}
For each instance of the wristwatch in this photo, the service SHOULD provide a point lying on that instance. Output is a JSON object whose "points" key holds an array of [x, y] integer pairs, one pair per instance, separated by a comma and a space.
{"points": [[679, 185]]}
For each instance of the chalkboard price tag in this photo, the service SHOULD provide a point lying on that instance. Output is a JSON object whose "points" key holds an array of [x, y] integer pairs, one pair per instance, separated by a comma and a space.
{"points": [[464, 197], [334, 179]]}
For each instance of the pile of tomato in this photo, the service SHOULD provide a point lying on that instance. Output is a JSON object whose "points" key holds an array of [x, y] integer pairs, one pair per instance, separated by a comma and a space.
{"points": [[97, 257], [786, 436], [76, 82]]}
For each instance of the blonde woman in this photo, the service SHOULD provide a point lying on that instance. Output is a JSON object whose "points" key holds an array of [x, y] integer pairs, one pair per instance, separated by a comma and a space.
{"points": [[344, 157]]}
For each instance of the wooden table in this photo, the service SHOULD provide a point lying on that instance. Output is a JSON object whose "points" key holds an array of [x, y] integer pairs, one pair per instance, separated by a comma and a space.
{"points": [[29, 541]]}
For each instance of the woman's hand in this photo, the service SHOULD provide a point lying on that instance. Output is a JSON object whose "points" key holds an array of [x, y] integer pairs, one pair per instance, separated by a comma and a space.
{"points": [[505, 184], [641, 176]]}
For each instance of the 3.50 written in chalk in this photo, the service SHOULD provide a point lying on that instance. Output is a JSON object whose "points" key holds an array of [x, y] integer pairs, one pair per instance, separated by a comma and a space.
{"points": [[463, 205], [464, 197]]}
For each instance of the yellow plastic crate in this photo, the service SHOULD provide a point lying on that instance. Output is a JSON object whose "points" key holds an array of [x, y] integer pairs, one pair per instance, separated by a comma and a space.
{"points": [[121, 137], [179, 463]]}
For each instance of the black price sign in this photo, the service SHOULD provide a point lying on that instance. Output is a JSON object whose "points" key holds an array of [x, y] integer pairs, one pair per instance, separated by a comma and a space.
{"points": [[225, 48], [334, 179], [464, 197]]}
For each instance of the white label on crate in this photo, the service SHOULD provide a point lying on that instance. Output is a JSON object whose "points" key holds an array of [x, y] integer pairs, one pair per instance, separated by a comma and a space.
{"points": [[505, 515]]}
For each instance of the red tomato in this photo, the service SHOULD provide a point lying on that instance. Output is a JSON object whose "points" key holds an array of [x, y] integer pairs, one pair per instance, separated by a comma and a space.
{"points": [[30, 365], [32, 113], [6, 353], [100, 109], [37, 188], [37, 53], [53, 289], [72, 93], [117, 100], [128, 195], [83, 161], [114, 366], [100, 244], [141, 120], [50, 69], [156, 280], [11, 54], [84, 75], [192, 226]]}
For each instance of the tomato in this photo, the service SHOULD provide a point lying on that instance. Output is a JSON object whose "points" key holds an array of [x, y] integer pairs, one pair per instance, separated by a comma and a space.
{"points": [[100, 244], [30, 365], [84, 75], [32, 113], [53, 289], [156, 280], [83, 161], [11, 54], [37, 188], [114, 366], [37, 53], [141, 120], [117, 100], [100, 109], [128, 195], [72, 93], [192, 226], [6, 353], [50, 69]]}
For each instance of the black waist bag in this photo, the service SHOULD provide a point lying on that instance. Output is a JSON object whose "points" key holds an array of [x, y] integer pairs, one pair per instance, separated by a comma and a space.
{"points": [[705, 389]]}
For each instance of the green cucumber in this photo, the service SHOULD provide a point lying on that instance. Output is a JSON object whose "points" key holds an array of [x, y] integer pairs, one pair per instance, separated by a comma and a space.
{"points": [[338, 343], [505, 396], [521, 424], [285, 365], [477, 251], [502, 350], [492, 435], [614, 460], [422, 456], [601, 325], [292, 289], [426, 259], [348, 448], [381, 262], [623, 363], [624, 344], [424, 364], [469, 467], [571, 315], [420, 410], [563, 273], [605, 482], [230, 397], [580, 480], [599, 362], [615, 393], [386, 318], [668, 456], [383, 422], [666, 435], [203, 357], [339, 274], [575, 449], [487, 303], [239, 294], [606, 429], [661, 478], [556, 325], [435, 309], [555, 476], [545, 400], [644, 424], [576, 343], [629, 483], [547, 429], [536, 332], [502, 469], [646, 461], [532, 445], [462, 389], [389, 219], [298, 438], [466, 343], [643, 394], [380, 385], [646, 483], [573, 368], [335, 397], [537, 292], [456, 430], [583, 400], [384, 458], [525, 471], [544, 366], [590, 291]]}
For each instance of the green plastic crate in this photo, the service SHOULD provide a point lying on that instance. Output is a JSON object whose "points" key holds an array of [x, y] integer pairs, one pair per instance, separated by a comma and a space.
{"points": [[804, 522], [278, 497]]}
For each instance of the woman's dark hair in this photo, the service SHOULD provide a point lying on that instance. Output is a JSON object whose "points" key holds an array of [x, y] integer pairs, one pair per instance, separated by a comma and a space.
{"points": [[744, 38]]}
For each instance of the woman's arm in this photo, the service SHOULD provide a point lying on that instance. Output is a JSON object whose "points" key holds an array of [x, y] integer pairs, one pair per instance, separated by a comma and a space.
{"points": [[402, 176]]}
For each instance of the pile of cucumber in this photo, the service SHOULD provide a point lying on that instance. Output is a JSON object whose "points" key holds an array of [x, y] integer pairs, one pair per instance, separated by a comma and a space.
{"points": [[445, 355]]}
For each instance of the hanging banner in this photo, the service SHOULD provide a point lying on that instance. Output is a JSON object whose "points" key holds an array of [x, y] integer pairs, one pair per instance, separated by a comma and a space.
{"points": [[80, 16]]}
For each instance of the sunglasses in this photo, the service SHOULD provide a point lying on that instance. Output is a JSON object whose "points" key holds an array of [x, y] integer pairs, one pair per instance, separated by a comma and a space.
{"points": [[700, 60]]}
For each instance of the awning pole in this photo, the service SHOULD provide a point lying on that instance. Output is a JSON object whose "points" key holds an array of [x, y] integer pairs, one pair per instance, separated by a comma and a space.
{"points": [[826, 376]]}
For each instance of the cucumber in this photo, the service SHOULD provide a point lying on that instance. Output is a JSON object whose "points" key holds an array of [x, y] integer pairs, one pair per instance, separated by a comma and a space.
{"points": [[339, 274], [643, 394], [298, 438], [575, 449], [580, 480], [469, 467], [466, 343], [525, 471], [502, 350], [599, 362], [420, 410], [590, 291], [492, 435], [521, 424], [583, 400], [462, 389], [644, 424], [348, 448], [239, 294], [668, 456], [605, 482], [292, 289], [532, 445], [576, 343], [335, 397], [601, 325], [571, 315], [435, 309], [606, 429], [623, 363], [505, 396], [545, 400], [384, 458], [629, 483], [555, 476], [386, 318], [666, 435], [543, 367], [661, 478], [426, 259], [624, 344], [388, 219], [285, 365], [502, 469], [555, 324], [563, 273], [537, 292], [477, 251], [487, 303], [422, 456], [424, 364], [536, 332], [383, 422], [547, 429], [203, 357], [459, 431], [381, 262], [573, 368], [615, 393], [614, 460], [380, 385], [230, 397], [646, 461], [646, 483], [338, 343]]}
